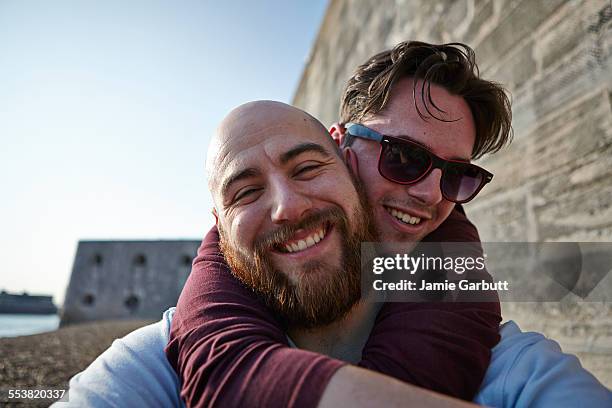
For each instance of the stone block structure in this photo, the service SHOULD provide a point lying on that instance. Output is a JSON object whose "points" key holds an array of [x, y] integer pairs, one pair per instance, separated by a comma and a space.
{"points": [[554, 183], [126, 279]]}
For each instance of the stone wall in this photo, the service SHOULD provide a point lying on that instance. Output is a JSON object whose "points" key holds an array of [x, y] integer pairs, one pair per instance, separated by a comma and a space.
{"points": [[554, 183], [126, 279]]}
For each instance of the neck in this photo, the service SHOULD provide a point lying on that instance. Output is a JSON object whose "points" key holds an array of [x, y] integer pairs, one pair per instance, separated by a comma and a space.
{"points": [[343, 339]]}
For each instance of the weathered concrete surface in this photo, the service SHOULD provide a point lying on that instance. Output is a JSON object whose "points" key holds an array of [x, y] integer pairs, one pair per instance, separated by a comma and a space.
{"points": [[555, 182], [126, 279]]}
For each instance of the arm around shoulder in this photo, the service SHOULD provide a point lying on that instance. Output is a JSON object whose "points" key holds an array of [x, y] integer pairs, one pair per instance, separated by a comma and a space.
{"points": [[133, 371]]}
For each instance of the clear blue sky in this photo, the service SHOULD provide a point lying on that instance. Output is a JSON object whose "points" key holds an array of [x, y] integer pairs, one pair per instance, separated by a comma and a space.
{"points": [[106, 108]]}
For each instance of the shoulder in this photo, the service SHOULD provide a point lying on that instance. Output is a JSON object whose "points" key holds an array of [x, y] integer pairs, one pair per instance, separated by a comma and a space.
{"points": [[133, 371], [528, 369]]}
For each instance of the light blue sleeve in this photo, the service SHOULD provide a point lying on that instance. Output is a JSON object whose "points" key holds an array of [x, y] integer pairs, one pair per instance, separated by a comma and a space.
{"points": [[529, 370], [132, 372]]}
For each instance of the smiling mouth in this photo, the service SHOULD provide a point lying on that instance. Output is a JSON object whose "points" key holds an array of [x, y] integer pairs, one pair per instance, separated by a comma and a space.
{"points": [[297, 245], [403, 217]]}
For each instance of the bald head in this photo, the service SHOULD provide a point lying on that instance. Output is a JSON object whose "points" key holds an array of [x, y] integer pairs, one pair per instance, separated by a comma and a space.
{"points": [[251, 124]]}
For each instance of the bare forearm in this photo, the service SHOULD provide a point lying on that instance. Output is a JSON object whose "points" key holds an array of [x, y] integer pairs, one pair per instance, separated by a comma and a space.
{"points": [[357, 387]]}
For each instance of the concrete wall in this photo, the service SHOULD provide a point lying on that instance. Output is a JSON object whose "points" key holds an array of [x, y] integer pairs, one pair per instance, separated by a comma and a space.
{"points": [[555, 182], [126, 279]]}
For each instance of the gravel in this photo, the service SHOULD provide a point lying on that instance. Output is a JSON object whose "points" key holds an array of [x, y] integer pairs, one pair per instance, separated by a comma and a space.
{"points": [[49, 360]]}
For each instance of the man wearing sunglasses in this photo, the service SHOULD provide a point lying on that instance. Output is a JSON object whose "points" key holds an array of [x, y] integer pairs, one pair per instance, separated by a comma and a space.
{"points": [[420, 114], [410, 142]]}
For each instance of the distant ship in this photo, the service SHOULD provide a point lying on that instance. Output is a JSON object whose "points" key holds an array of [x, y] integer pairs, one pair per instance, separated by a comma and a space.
{"points": [[26, 304]]}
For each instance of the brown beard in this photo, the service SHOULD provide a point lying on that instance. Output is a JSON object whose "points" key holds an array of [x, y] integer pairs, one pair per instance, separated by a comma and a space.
{"points": [[321, 293]]}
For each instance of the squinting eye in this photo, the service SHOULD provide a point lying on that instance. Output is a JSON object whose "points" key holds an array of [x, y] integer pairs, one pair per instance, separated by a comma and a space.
{"points": [[306, 169], [246, 193]]}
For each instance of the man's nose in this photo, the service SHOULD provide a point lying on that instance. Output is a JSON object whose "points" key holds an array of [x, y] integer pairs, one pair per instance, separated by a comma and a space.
{"points": [[289, 204], [427, 191]]}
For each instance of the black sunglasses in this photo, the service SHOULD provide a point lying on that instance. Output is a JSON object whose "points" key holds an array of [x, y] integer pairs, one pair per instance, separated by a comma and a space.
{"points": [[406, 162]]}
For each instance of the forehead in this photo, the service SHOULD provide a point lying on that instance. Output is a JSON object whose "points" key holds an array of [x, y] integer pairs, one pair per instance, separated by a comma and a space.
{"points": [[261, 146], [453, 138]]}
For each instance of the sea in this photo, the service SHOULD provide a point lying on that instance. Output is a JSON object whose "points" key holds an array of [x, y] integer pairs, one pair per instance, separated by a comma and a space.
{"points": [[13, 325]]}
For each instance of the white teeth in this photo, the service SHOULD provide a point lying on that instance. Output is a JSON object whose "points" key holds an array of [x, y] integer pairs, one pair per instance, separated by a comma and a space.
{"points": [[309, 241], [403, 216]]}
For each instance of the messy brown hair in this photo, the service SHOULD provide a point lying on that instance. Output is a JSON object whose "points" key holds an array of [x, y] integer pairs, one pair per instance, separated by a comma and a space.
{"points": [[452, 66]]}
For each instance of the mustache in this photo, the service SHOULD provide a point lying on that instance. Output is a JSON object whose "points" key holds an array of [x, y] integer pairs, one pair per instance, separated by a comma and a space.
{"points": [[268, 240]]}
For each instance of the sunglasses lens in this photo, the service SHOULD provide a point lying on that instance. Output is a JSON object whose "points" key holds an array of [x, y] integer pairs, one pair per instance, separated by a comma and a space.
{"points": [[403, 162], [461, 181]]}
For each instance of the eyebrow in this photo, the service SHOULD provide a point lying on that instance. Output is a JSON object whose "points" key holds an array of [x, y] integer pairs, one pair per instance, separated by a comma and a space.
{"points": [[303, 148], [241, 175]]}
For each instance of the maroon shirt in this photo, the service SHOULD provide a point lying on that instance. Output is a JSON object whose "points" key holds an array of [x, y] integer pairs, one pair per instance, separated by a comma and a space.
{"points": [[229, 350]]}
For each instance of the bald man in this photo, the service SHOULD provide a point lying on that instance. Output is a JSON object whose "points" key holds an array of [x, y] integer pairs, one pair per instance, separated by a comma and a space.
{"points": [[281, 197]]}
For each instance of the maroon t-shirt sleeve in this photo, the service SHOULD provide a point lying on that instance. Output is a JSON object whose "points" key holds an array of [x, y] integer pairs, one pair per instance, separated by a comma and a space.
{"points": [[442, 346], [222, 335], [228, 349]]}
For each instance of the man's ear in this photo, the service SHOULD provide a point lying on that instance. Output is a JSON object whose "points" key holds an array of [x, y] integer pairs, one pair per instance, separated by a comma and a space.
{"points": [[337, 132], [350, 158], [214, 213]]}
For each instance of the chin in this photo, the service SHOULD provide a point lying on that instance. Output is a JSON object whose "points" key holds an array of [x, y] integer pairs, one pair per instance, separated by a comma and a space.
{"points": [[394, 239]]}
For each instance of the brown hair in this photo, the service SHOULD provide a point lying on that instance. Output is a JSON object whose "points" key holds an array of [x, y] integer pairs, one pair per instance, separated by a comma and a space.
{"points": [[452, 66]]}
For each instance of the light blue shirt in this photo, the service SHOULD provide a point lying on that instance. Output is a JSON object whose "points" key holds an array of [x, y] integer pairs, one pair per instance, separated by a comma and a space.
{"points": [[526, 370]]}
